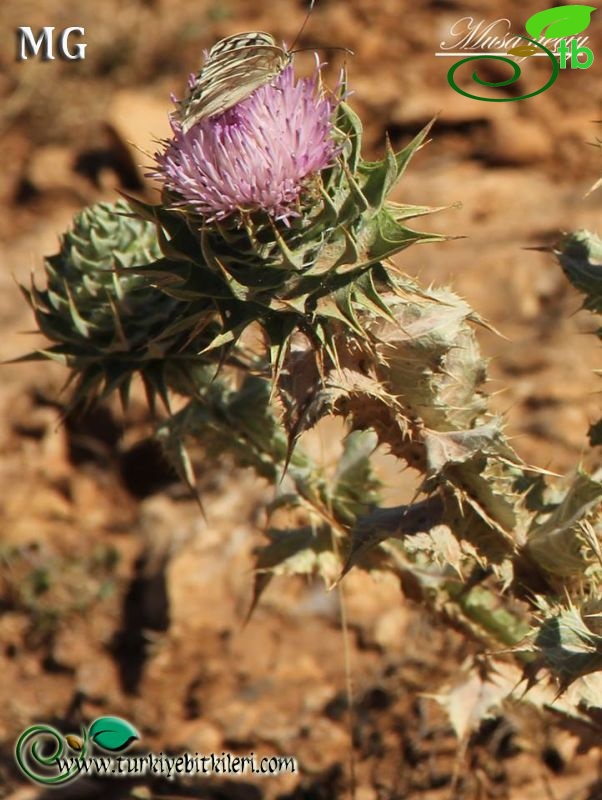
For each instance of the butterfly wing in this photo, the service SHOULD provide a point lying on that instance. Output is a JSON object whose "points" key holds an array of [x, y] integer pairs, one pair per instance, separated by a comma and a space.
{"points": [[233, 83], [235, 67], [238, 41]]}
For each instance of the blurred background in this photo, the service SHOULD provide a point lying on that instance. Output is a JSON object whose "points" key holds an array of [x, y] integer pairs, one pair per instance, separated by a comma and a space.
{"points": [[116, 597]]}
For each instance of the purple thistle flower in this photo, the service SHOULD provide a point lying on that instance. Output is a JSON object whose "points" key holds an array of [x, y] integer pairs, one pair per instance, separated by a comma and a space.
{"points": [[257, 155]]}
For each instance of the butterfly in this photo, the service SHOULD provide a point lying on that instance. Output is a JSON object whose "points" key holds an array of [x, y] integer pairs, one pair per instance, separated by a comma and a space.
{"points": [[234, 68]]}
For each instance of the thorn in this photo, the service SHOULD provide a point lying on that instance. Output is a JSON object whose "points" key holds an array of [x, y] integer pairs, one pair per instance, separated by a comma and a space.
{"points": [[540, 248]]}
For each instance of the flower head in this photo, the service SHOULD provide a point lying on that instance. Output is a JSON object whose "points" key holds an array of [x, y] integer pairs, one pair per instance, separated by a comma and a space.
{"points": [[257, 155]]}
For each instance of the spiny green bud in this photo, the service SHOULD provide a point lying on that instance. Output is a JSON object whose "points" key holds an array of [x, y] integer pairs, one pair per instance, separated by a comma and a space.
{"points": [[568, 639], [580, 256], [106, 320]]}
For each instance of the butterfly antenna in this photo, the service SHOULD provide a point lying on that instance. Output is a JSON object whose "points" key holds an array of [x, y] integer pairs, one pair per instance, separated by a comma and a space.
{"points": [[325, 49], [302, 28]]}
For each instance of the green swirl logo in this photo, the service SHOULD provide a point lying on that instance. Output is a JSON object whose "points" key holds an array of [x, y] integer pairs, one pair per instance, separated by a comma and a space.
{"points": [[43, 753], [514, 77], [560, 21], [42, 767]]}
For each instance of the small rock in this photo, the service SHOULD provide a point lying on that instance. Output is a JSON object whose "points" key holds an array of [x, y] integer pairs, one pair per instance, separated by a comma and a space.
{"points": [[369, 596], [318, 696], [15, 149], [199, 736], [139, 120], [366, 793], [327, 741], [390, 627], [239, 723], [25, 793], [449, 107], [517, 142], [52, 170]]}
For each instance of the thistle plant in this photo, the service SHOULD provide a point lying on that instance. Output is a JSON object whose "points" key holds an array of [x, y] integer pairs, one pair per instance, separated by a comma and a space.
{"points": [[580, 256], [260, 155], [106, 323], [271, 218]]}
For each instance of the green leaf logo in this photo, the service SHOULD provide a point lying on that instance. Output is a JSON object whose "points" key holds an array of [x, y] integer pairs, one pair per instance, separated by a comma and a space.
{"points": [[112, 733], [560, 21]]}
